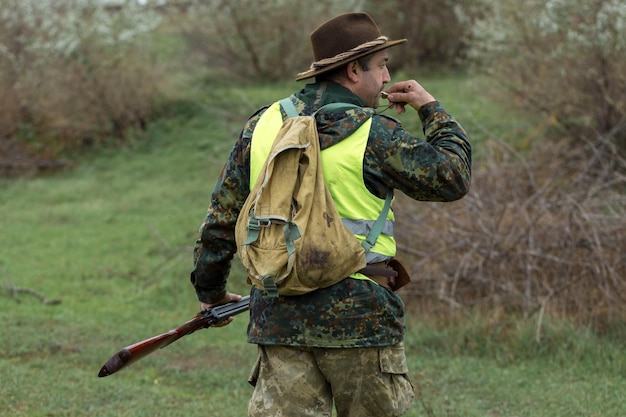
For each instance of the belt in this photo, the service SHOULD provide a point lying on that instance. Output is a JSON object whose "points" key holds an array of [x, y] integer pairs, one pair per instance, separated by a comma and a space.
{"points": [[381, 273]]}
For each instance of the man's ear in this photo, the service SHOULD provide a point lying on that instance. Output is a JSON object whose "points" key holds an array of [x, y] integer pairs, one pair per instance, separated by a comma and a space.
{"points": [[352, 71]]}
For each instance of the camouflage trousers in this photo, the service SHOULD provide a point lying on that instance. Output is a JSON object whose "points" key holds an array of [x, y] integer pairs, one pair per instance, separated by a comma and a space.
{"points": [[362, 382]]}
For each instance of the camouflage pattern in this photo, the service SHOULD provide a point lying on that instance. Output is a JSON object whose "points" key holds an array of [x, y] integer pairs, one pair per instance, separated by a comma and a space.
{"points": [[293, 381], [352, 313]]}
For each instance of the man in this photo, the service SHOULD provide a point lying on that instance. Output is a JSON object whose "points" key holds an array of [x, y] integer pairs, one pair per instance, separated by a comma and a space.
{"points": [[343, 343]]}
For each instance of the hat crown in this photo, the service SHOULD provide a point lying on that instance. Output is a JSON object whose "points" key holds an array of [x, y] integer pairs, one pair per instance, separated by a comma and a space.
{"points": [[344, 38], [342, 34]]}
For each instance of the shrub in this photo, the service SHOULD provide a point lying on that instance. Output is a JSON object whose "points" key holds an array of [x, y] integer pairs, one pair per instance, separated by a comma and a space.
{"points": [[438, 33], [536, 235], [74, 72], [565, 59], [243, 39], [269, 40], [541, 232]]}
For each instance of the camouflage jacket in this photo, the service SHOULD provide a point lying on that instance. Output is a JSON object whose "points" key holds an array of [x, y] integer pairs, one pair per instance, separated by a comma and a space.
{"points": [[352, 313]]}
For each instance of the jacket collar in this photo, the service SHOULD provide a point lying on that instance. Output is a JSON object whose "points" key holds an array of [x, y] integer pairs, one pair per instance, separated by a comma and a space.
{"points": [[316, 95]]}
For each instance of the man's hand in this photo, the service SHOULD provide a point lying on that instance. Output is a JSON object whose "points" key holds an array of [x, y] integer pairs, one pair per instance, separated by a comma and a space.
{"points": [[229, 297], [408, 92]]}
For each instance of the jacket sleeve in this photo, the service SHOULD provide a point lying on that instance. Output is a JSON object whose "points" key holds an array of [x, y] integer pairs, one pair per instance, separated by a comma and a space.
{"points": [[437, 168], [216, 247]]}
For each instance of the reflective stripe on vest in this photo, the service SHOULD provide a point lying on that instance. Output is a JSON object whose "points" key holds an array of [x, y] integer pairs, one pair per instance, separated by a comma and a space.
{"points": [[343, 173]]}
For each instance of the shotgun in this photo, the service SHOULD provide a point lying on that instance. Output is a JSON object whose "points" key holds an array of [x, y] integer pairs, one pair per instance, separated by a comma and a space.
{"points": [[205, 318]]}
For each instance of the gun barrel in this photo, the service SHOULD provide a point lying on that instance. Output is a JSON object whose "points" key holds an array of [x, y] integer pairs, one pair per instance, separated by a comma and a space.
{"points": [[227, 310]]}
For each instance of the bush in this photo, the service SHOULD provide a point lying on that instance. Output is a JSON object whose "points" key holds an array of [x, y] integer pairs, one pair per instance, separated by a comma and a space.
{"points": [[565, 59], [244, 39], [541, 232], [438, 33], [74, 72], [536, 235], [270, 40]]}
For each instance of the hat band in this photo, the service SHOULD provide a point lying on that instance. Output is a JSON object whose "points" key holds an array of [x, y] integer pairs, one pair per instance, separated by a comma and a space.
{"points": [[344, 55]]}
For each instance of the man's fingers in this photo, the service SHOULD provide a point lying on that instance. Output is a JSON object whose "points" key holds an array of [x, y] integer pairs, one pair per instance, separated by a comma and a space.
{"points": [[224, 322]]}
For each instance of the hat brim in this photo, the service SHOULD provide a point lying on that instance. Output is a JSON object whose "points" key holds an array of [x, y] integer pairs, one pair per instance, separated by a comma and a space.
{"points": [[317, 71]]}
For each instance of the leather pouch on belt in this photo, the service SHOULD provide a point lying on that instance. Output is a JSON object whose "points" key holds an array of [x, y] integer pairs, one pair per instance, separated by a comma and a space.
{"points": [[403, 277]]}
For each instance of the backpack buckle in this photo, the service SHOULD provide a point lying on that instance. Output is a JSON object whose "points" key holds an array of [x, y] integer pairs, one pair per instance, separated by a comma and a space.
{"points": [[257, 224], [271, 290], [254, 228]]}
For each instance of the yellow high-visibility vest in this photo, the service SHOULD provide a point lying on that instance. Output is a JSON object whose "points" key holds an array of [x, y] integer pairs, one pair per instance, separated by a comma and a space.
{"points": [[343, 174]]}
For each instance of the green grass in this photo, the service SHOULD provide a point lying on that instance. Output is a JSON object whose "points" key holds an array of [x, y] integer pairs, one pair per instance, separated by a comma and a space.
{"points": [[112, 240]]}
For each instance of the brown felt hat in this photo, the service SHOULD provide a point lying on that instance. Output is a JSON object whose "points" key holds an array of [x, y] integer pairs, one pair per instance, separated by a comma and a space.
{"points": [[343, 39]]}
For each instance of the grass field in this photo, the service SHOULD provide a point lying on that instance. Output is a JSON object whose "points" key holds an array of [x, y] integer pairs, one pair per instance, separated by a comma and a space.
{"points": [[109, 242]]}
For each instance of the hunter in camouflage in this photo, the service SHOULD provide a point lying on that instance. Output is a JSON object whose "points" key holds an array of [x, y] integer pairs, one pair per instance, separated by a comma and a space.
{"points": [[342, 344]]}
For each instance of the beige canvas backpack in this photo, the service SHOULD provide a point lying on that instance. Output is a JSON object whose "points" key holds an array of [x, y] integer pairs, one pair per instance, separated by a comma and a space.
{"points": [[289, 235]]}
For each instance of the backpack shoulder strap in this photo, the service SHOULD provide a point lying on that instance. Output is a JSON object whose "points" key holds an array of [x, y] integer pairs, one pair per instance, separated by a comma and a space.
{"points": [[377, 228], [289, 107], [331, 107]]}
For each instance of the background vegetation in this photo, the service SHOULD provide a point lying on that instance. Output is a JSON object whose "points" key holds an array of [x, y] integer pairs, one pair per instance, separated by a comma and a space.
{"points": [[116, 118]]}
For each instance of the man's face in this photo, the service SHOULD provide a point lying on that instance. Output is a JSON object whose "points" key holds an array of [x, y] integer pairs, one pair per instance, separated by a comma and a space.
{"points": [[373, 80]]}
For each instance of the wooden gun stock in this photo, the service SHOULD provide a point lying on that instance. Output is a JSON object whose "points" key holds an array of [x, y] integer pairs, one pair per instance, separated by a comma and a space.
{"points": [[205, 318]]}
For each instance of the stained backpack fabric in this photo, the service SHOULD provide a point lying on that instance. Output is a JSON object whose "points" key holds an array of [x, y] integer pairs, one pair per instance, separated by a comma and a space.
{"points": [[289, 235]]}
